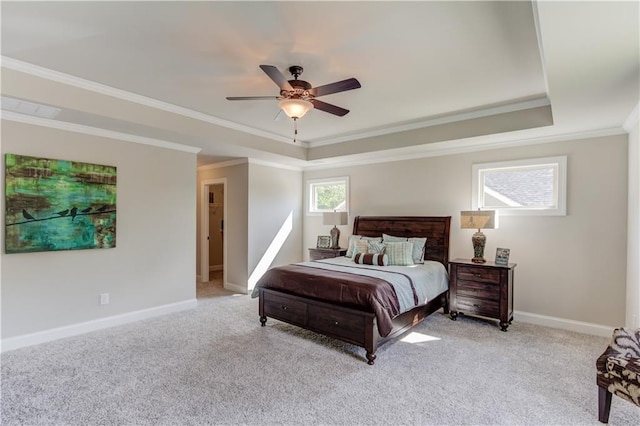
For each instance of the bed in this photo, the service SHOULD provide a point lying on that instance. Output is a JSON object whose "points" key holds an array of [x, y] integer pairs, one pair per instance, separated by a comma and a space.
{"points": [[300, 294]]}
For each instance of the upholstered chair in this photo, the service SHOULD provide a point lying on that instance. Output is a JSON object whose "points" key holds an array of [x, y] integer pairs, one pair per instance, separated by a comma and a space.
{"points": [[618, 370]]}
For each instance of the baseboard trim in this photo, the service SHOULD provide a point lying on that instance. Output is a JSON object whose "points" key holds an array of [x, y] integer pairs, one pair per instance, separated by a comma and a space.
{"points": [[215, 268], [17, 342], [235, 287], [564, 324]]}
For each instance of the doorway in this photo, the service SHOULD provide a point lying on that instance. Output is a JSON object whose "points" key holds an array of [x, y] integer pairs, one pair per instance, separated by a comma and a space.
{"points": [[213, 246]]}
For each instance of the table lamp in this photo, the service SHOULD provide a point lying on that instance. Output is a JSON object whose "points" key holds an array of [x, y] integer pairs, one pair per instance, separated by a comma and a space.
{"points": [[478, 219], [335, 219]]}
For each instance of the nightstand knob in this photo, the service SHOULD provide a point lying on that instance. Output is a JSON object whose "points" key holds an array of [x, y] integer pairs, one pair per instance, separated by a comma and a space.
{"points": [[335, 323], [477, 275], [284, 308]]}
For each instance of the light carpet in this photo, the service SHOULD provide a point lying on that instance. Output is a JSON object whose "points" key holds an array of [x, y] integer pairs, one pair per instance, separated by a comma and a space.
{"points": [[216, 365]]}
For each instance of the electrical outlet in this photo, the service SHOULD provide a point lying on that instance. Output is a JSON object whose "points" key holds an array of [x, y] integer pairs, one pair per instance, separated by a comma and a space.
{"points": [[104, 299]]}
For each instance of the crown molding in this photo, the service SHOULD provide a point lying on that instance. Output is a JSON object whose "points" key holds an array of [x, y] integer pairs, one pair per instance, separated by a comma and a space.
{"points": [[632, 119], [275, 165], [223, 164], [460, 146], [103, 89], [95, 131]]}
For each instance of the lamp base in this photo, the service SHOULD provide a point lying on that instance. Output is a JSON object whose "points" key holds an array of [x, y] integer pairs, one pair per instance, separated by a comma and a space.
{"points": [[479, 240], [335, 237]]}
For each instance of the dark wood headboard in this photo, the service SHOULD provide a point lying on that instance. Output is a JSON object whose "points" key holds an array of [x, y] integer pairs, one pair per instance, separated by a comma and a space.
{"points": [[435, 228]]}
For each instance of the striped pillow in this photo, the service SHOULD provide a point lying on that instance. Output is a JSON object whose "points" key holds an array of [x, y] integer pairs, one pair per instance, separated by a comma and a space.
{"points": [[418, 245], [400, 253], [371, 259]]}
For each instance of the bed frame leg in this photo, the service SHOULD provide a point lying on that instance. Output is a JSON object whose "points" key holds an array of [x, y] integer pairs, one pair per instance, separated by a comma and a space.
{"points": [[371, 358], [263, 321]]}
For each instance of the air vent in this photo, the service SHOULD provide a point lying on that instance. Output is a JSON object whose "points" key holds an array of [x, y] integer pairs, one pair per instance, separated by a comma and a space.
{"points": [[29, 108]]}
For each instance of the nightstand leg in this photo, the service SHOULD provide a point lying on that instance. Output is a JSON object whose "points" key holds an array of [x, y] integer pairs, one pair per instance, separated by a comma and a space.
{"points": [[453, 315], [504, 325]]}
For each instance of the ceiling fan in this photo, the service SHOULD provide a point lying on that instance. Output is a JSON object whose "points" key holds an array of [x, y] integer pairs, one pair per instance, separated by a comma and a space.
{"points": [[298, 96]]}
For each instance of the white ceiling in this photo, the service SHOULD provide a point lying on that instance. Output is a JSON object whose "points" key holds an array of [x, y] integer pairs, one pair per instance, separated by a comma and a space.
{"points": [[170, 66]]}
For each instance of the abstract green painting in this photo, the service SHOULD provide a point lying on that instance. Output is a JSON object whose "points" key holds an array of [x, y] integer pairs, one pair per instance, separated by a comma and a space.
{"points": [[58, 205]]}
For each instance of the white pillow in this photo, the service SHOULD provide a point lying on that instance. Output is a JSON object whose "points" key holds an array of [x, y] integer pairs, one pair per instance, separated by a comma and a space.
{"points": [[360, 246], [351, 244]]}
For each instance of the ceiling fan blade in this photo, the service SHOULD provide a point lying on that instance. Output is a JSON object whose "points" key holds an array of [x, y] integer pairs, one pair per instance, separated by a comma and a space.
{"points": [[338, 86], [331, 109], [251, 98], [275, 75]]}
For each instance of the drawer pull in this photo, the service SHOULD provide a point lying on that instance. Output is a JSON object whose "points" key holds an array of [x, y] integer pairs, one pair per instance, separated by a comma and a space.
{"points": [[335, 323], [284, 308], [477, 275]]}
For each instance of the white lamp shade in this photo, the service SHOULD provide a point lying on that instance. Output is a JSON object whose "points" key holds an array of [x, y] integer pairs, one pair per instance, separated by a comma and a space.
{"points": [[478, 219], [334, 218], [295, 108]]}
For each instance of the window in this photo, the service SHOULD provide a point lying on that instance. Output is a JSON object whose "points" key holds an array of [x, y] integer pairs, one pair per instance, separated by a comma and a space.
{"points": [[526, 187], [328, 195]]}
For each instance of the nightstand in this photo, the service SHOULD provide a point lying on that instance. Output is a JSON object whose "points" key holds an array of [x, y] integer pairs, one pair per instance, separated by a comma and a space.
{"points": [[326, 253], [483, 289]]}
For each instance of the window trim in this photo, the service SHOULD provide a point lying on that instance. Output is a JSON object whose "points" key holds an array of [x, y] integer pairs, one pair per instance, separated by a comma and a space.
{"points": [[308, 192], [559, 161]]}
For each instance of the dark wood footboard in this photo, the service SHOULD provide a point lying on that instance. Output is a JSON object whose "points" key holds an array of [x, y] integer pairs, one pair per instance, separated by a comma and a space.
{"points": [[349, 325]]}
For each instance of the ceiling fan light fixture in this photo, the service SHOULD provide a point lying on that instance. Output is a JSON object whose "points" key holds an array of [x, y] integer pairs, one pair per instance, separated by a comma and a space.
{"points": [[295, 108]]}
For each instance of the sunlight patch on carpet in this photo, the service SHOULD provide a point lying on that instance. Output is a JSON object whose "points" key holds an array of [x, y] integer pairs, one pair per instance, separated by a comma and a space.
{"points": [[415, 337]]}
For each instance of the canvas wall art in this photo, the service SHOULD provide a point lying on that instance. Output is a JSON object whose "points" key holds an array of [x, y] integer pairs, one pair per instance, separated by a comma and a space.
{"points": [[58, 205]]}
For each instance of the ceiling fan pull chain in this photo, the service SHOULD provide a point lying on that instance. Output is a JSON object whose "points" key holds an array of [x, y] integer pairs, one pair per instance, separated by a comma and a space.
{"points": [[295, 130]]}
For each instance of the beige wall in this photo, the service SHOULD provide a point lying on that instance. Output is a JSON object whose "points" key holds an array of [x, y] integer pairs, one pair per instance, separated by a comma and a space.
{"points": [[571, 267], [275, 219], [152, 264], [235, 223], [633, 245], [260, 199]]}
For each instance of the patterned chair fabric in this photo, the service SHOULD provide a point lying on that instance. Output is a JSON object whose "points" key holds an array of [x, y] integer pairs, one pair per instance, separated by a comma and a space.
{"points": [[618, 371]]}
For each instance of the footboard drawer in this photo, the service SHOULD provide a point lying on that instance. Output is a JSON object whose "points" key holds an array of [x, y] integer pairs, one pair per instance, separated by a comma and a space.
{"points": [[285, 309], [344, 325]]}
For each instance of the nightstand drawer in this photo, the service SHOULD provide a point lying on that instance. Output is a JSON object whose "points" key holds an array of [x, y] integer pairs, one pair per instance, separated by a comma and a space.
{"points": [[481, 274], [286, 309], [470, 305], [481, 290]]}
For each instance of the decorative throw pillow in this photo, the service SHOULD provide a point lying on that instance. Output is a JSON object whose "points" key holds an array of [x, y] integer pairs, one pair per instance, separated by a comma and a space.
{"points": [[418, 249], [399, 253], [371, 259], [376, 239], [361, 246], [392, 239], [351, 245], [418, 245], [376, 247]]}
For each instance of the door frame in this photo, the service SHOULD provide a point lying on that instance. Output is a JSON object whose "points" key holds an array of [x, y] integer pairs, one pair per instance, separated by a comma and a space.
{"points": [[204, 227]]}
